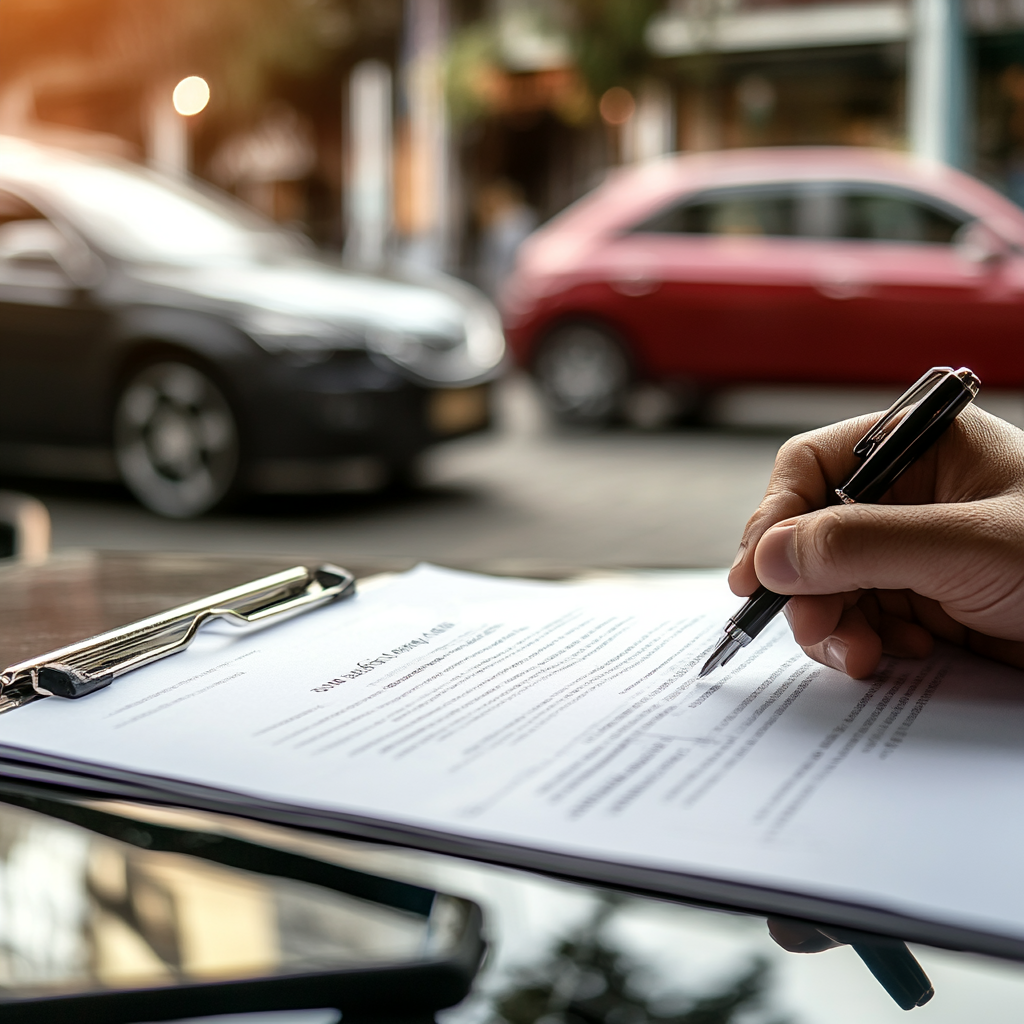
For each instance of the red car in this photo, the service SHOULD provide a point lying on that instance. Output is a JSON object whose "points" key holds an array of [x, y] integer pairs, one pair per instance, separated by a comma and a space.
{"points": [[815, 265]]}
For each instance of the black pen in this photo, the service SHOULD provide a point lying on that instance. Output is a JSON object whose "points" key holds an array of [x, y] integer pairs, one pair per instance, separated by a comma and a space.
{"points": [[906, 431]]}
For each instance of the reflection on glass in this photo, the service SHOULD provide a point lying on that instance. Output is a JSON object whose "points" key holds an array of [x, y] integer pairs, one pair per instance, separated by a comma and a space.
{"points": [[672, 959], [79, 912], [588, 978], [43, 903], [737, 212], [894, 218], [810, 210]]}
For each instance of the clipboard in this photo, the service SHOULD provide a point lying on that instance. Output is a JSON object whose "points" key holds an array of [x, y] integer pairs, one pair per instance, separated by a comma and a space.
{"points": [[82, 668], [53, 770]]}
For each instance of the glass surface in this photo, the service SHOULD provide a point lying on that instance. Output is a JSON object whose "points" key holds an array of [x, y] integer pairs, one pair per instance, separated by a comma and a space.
{"points": [[880, 217], [810, 210], [80, 912], [742, 212], [569, 954]]}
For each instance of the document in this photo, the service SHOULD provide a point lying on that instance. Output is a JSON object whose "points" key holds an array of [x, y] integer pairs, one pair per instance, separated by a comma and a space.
{"points": [[569, 720]]}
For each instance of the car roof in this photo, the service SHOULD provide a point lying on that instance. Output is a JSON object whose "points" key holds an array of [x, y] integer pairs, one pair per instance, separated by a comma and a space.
{"points": [[628, 194], [17, 154]]}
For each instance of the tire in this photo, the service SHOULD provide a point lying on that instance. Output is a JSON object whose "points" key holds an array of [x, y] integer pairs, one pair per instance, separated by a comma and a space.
{"points": [[583, 374], [175, 440]]}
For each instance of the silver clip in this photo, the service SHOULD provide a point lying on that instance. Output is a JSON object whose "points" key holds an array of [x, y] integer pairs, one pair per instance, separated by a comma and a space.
{"points": [[89, 665], [914, 394], [878, 433]]}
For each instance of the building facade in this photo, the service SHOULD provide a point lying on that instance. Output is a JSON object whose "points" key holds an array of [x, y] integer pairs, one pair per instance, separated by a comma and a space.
{"points": [[408, 133]]}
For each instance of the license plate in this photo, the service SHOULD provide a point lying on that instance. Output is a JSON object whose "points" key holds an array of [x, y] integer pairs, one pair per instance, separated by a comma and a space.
{"points": [[457, 410]]}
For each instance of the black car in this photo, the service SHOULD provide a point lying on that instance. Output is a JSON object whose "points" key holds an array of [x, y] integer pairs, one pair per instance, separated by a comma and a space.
{"points": [[161, 334]]}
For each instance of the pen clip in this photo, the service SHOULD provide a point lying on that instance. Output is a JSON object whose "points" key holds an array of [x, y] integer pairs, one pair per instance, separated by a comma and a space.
{"points": [[914, 394]]}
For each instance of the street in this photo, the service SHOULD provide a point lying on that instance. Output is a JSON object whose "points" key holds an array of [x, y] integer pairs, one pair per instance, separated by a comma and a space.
{"points": [[525, 496]]}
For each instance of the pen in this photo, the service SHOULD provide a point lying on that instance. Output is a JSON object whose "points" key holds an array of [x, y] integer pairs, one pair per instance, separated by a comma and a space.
{"points": [[895, 968], [904, 433]]}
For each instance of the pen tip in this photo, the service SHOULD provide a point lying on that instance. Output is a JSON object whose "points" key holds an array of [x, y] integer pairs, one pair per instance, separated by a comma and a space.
{"points": [[720, 655]]}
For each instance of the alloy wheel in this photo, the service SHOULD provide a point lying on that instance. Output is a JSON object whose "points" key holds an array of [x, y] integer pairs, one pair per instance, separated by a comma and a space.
{"points": [[583, 374], [175, 440]]}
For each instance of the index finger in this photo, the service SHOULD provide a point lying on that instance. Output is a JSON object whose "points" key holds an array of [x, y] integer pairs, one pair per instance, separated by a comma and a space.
{"points": [[807, 469]]}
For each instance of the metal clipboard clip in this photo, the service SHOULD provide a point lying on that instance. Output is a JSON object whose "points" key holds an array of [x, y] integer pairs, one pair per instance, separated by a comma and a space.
{"points": [[89, 665]]}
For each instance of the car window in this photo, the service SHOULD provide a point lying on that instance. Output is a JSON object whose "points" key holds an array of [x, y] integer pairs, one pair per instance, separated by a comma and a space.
{"points": [[883, 216], [812, 210], [738, 212]]}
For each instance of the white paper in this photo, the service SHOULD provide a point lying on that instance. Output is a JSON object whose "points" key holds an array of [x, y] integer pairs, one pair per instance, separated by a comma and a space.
{"points": [[571, 719]]}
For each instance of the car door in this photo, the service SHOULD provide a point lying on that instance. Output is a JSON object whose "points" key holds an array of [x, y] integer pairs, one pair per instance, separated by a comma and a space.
{"points": [[722, 285], [48, 329], [910, 295]]}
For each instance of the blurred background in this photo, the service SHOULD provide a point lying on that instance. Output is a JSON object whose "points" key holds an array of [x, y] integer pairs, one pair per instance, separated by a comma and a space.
{"points": [[420, 144], [410, 129]]}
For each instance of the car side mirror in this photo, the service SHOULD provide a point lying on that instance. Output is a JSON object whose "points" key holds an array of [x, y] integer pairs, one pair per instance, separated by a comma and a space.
{"points": [[979, 244]]}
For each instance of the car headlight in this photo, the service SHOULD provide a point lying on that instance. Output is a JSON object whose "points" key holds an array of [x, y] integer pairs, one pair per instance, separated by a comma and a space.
{"points": [[454, 353], [410, 348], [285, 332]]}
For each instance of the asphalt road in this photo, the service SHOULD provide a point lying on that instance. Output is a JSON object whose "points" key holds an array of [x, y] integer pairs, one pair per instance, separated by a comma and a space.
{"points": [[525, 494]]}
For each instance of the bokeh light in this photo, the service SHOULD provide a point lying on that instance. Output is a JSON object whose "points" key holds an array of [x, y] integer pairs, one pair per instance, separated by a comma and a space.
{"points": [[191, 95], [617, 105]]}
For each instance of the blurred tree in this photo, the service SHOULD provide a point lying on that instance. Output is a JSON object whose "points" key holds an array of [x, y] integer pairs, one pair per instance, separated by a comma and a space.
{"points": [[587, 980], [473, 71], [609, 43], [702, 69], [604, 44]]}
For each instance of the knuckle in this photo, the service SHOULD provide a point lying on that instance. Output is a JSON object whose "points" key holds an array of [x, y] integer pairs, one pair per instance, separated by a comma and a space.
{"points": [[800, 449]]}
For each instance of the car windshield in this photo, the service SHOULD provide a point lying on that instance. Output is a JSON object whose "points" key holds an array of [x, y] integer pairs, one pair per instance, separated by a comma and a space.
{"points": [[136, 216]]}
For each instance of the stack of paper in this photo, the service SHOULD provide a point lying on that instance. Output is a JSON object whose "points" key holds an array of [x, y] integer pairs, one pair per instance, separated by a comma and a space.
{"points": [[564, 728]]}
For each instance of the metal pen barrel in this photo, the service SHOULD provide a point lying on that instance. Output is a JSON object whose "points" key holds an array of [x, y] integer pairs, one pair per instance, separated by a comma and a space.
{"points": [[762, 606]]}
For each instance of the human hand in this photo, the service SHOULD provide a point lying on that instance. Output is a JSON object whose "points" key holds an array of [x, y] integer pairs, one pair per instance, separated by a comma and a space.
{"points": [[942, 555]]}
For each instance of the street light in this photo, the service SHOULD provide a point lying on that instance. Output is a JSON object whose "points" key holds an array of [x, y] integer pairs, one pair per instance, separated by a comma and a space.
{"points": [[617, 106], [191, 96], [168, 141]]}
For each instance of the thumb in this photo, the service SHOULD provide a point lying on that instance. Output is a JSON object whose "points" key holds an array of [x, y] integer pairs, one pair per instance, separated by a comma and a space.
{"points": [[942, 551]]}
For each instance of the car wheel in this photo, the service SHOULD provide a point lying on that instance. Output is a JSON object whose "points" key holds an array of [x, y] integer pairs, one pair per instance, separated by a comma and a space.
{"points": [[583, 374], [175, 440]]}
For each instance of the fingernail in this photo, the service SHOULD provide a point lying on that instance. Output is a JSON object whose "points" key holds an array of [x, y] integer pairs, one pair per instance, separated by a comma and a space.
{"points": [[739, 556], [777, 559], [835, 653]]}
